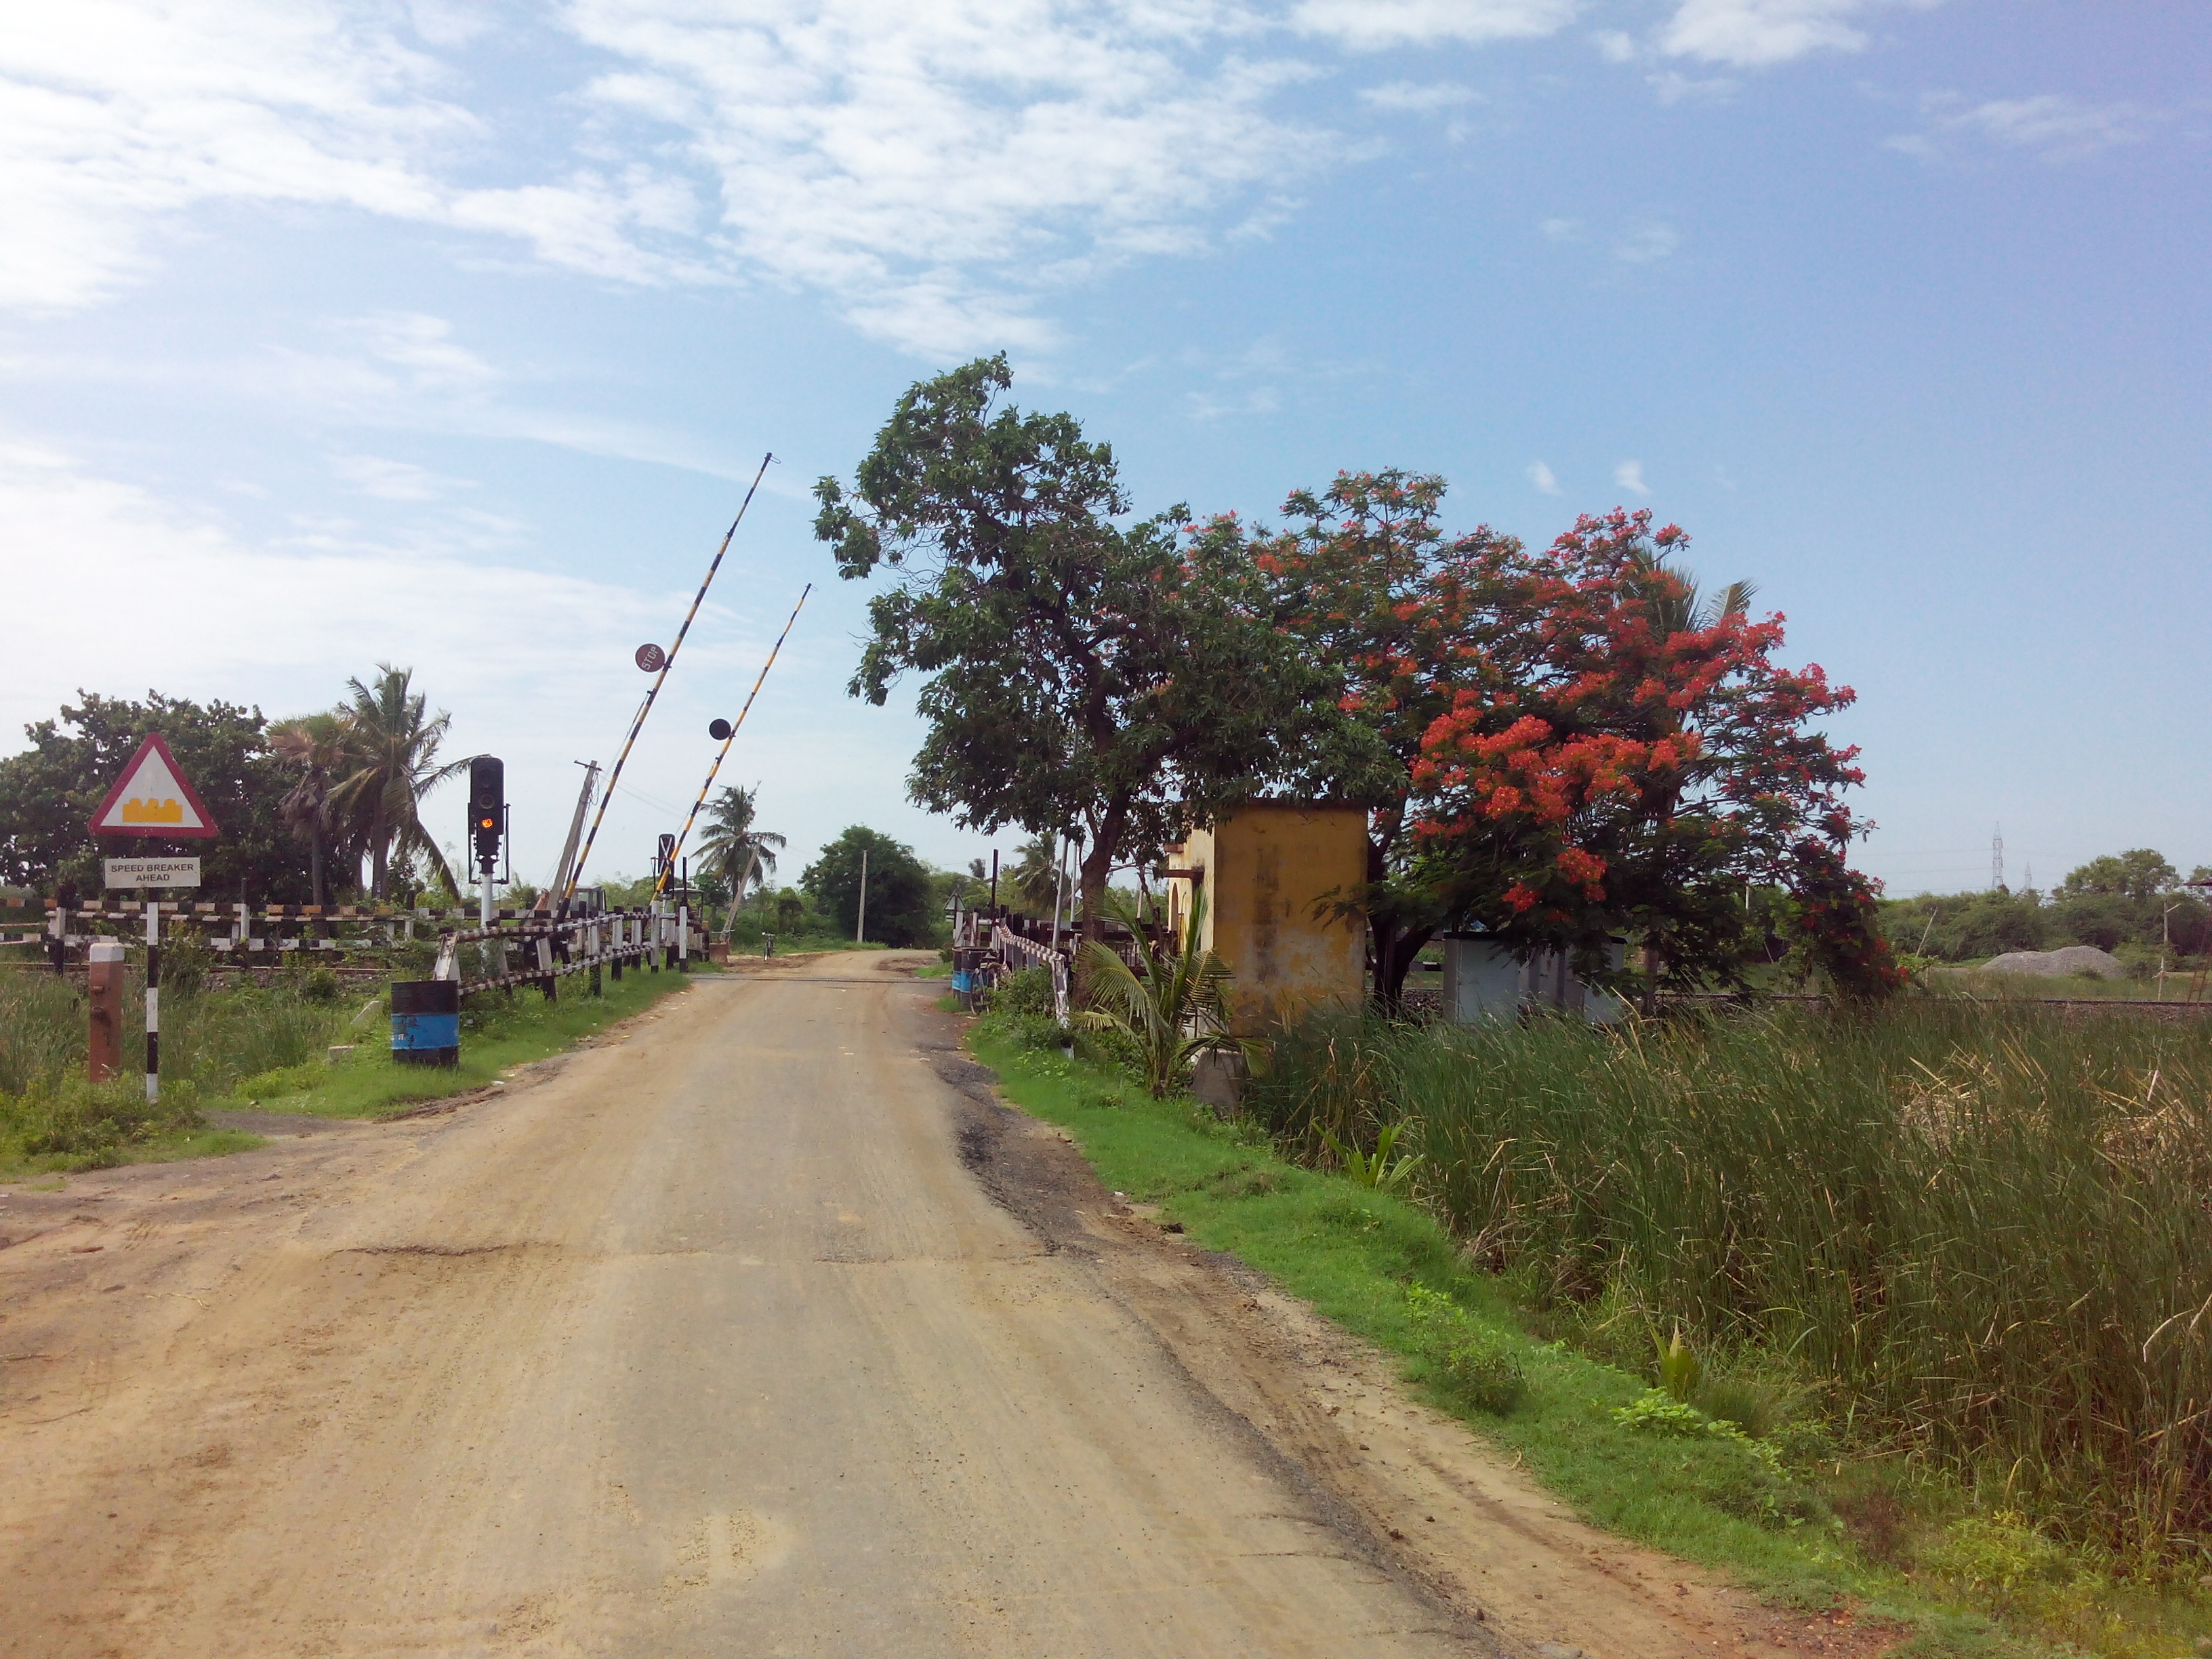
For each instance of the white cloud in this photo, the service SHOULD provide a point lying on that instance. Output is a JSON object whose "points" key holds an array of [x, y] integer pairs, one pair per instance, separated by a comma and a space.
{"points": [[1373, 25], [406, 371], [1417, 98], [1757, 33], [389, 480], [1629, 475], [1673, 87], [1644, 245], [1615, 46], [117, 116], [1543, 477], [1562, 230], [2053, 125], [938, 171], [934, 168]]}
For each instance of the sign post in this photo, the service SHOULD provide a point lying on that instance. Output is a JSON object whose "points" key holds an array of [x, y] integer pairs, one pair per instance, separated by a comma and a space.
{"points": [[154, 799]]}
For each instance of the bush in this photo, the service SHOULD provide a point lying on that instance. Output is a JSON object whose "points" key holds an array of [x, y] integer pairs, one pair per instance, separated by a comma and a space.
{"points": [[1472, 1361], [211, 1039], [81, 1120], [1029, 992]]}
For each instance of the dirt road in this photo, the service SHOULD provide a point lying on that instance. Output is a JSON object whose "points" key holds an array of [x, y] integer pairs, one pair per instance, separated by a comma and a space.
{"points": [[753, 1330]]}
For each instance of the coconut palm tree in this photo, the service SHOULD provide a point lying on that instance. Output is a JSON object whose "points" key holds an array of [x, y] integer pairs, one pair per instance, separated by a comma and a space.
{"points": [[1174, 1002], [392, 745], [316, 744], [1035, 874], [730, 848]]}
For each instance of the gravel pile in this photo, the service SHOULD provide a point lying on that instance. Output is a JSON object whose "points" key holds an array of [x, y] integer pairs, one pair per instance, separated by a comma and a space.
{"points": [[2067, 961]]}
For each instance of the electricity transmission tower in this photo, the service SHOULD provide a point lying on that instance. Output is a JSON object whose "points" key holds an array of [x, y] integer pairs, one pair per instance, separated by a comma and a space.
{"points": [[1996, 860]]}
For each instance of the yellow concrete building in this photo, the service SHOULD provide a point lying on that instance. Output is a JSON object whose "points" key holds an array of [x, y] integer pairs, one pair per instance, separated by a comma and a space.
{"points": [[1265, 869]]}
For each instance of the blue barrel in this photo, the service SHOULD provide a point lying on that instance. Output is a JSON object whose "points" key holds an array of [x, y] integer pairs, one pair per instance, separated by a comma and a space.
{"points": [[426, 1022]]}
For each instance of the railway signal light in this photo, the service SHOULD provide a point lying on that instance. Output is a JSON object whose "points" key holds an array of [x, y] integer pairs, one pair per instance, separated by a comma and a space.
{"points": [[487, 808]]}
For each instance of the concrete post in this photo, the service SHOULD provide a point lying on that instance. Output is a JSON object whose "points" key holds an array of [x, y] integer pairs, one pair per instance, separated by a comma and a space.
{"points": [[104, 1045]]}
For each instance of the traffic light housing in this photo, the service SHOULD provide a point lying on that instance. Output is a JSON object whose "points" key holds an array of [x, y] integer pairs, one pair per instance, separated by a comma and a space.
{"points": [[487, 808]]}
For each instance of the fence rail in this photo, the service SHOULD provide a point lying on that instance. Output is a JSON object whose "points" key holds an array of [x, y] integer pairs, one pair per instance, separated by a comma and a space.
{"points": [[1019, 953], [613, 939], [652, 936]]}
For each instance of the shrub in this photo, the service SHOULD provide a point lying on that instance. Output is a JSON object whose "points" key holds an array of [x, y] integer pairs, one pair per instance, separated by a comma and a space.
{"points": [[1474, 1363], [1028, 992], [78, 1119]]}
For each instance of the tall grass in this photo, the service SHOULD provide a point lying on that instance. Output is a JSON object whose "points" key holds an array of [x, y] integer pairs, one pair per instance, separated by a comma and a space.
{"points": [[210, 1038], [1987, 1230]]}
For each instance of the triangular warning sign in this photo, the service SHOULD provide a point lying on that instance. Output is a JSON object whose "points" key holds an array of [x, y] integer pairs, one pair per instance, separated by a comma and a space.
{"points": [[152, 798]]}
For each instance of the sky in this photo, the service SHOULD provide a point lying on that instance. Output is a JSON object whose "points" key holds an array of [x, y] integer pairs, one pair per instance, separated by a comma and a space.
{"points": [[450, 335]]}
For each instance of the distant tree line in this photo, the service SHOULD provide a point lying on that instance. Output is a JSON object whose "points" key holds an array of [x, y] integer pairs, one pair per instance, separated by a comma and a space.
{"points": [[325, 808], [2135, 904], [320, 809]]}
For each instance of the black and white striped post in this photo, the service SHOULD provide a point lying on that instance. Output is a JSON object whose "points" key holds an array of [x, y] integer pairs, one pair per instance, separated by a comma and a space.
{"points": [[153, 1000]]}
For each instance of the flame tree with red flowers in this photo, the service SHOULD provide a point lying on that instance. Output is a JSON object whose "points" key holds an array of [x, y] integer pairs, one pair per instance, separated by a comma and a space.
{"points": [[1568, 747], [1378, 599]]}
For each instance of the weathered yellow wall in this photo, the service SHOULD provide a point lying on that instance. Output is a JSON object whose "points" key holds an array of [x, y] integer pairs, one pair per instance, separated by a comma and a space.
{"points": [[1265, 868]]}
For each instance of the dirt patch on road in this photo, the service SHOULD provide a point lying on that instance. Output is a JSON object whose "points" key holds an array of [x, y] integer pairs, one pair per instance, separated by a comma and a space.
{"points": [[1406, 1485]]}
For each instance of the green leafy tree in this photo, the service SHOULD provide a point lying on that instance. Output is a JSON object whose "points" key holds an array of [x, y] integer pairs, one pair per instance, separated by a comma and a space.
{"points": [[49, 791], [391, 745], [2139, 874], [731, 845], [902, 899], [1966, 927], [1080, 674], [790, 911], [2135, 898]]}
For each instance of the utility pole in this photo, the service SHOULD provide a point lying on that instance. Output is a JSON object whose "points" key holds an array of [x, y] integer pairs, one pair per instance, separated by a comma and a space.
{"points": [[556, 896], [860, 928]]}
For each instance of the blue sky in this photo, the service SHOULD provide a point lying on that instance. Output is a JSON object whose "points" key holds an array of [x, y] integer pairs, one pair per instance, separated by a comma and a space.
{"points": [[448, 334]]}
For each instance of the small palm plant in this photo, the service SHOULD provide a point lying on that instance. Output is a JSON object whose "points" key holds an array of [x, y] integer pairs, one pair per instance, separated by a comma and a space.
{"points": [[1174, 1003], [1385, 1170]]}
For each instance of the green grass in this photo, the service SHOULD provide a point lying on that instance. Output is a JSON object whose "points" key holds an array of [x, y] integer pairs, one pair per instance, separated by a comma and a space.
{"points": [[497, 1033], [218, 1049], [1773, 1511], [1971, 981]]}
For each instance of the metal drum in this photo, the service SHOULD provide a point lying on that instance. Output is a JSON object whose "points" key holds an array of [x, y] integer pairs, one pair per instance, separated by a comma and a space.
{"points": [[426, 1022]]}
